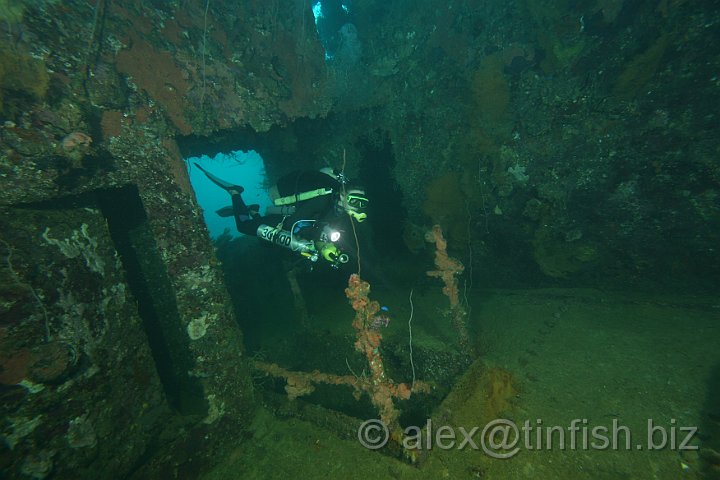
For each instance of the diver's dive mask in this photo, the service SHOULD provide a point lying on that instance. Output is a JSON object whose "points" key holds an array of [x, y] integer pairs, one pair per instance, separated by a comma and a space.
{"points": [[358, 201], [354, 202]]}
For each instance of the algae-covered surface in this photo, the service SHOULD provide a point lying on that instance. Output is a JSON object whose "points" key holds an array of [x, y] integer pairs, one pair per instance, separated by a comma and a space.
{"points": [[558, 143], [554, 358]]}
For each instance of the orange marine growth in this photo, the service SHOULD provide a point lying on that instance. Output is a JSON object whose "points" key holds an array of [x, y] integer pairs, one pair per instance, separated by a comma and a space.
{"points": [[447, 267], [382, 389]]}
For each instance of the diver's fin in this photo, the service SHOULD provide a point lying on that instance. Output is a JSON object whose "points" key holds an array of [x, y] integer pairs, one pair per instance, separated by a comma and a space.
{"points": [[234, 189], [225, 211], [229, 211]]}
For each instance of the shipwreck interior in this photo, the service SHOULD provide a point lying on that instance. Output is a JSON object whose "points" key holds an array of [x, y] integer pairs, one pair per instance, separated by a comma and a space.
{"points": [[540, 245], [284, 317]]}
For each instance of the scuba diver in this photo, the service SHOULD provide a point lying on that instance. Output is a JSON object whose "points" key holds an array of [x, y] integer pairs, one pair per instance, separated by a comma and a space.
{"points": [[310, 212]]}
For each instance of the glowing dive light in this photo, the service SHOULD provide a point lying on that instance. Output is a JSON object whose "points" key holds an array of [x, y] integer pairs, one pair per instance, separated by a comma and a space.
{"points": [[330, 234]]}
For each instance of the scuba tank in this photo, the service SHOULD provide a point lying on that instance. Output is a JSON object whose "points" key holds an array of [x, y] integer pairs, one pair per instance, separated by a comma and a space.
{"points": [[281, 210], [286, 239]]}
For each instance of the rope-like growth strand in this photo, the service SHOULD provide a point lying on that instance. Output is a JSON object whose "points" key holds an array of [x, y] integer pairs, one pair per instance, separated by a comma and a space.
{"points": [[412, 364], [352, 220], [204, 37]]}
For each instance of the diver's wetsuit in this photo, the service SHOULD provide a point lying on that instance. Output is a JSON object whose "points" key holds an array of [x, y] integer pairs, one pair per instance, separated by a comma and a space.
{"points": [[321, 208], [244, 222]]}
